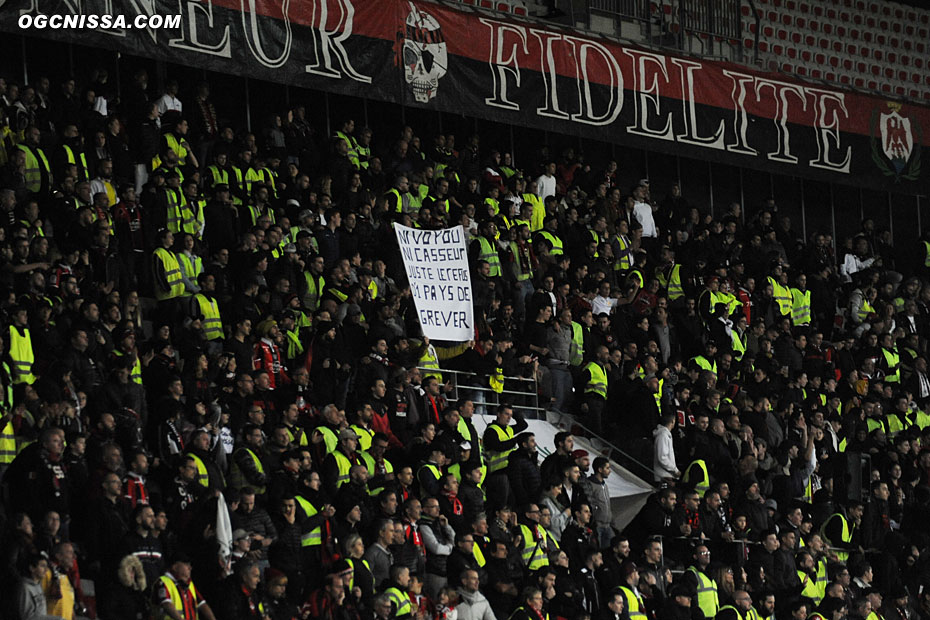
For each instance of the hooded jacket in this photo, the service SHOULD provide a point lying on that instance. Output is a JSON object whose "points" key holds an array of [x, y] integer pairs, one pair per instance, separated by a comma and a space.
{"points": [[663, 461]]}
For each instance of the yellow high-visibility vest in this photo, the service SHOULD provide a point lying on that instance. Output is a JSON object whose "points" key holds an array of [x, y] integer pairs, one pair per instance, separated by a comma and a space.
{"points": [[203, 475], [172, 270], [697, 467], [846, 535], [893, 360], [212, 323], [489, 253], [7, 444], [497, 461], [314, 537], [34, 159], [534, 554], [557, 249], [22, 356], [71, 159], [175, 145], [800, 307], [634, 605], [136, 373], [782, 296], [172, 588], [191, 267], [598, 382], [344, 465], [706, 593], [673, 285]]}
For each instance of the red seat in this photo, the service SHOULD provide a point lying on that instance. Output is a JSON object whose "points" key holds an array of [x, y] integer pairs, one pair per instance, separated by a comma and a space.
{"points": [[810, 40], [520, 9], [848, 64], [881, 39], [486, 4], [827, 28], [909, 30], [786, 19], [830, 76], [818, 10], [787, 67], [885, 87], [891, 58], [844, 79], [768, 32], [896, 27], [800, 22], [821, 59], [804, 7], [801, 70], [894, 42], [902, 75], [745, 10], [792, 52], [858, 82], [838, 46], [814, 26], [920, 46], [914, 77], [504, 7], [778, 49], [906, 44], [918, 62], [922, 32], [816, 74], [782, 34], [867, 36], [854, 33], [875, 70], [806, 55], [889, 73], [870, 22], [857, 19], [900, 91], [748, 43], [841, 31], [851, 49], [830, 12]]}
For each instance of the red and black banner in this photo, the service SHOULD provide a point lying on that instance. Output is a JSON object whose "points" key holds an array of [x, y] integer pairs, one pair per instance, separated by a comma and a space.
{"points": [[524, 73]]}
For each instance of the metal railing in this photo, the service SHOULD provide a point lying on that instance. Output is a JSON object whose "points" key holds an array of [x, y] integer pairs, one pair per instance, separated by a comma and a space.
{"points": [[623, 9], [523, 394], [474, 387], [718, 18]]}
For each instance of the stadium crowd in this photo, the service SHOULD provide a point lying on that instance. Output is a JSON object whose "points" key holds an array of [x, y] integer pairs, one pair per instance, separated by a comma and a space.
{"points": [[197, 314]]}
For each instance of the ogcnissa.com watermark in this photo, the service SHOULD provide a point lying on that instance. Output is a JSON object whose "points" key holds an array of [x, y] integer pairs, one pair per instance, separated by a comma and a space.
{"points": [[91, 21]]}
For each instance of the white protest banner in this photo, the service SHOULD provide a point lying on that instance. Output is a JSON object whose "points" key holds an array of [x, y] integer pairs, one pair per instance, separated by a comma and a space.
{"points": [[437, 269]]}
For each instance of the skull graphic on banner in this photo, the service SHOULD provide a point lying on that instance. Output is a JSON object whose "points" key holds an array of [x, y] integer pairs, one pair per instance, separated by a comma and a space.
{"points": [[425, 56]]}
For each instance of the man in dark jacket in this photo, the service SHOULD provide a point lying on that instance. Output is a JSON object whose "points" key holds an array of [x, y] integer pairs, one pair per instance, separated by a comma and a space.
{"points": [[523, 470], [242, 596]]}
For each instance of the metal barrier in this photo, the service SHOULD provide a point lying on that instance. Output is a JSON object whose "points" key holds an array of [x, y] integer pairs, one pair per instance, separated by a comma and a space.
{"points": [[624, 9], [474, 387], [468, 385], [719, 18]]}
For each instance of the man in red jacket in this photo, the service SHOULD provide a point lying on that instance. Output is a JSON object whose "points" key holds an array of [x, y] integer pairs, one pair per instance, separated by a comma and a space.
{"points": [[267, 356]]}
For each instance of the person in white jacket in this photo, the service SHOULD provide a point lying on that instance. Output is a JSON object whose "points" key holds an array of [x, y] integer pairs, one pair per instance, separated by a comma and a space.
{"points": [[663, 461], [474, 606]]}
